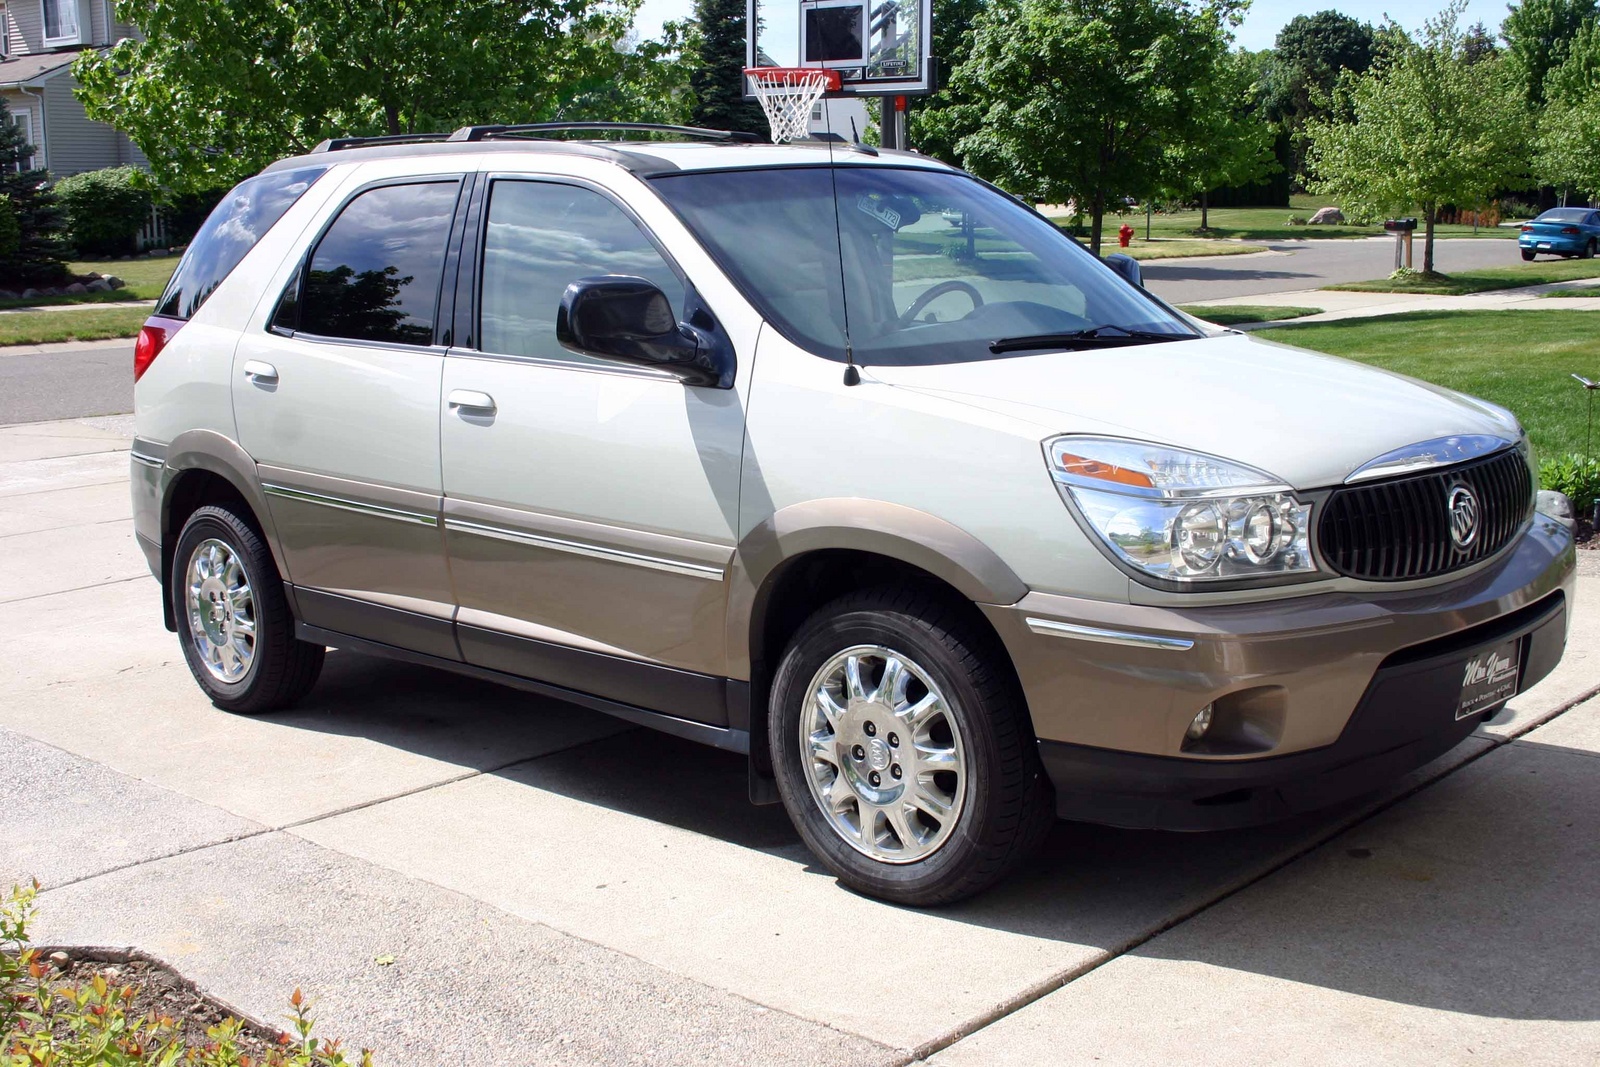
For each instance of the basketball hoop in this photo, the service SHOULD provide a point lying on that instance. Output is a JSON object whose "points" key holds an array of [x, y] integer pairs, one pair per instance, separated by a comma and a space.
{"points": [[787, 95]]}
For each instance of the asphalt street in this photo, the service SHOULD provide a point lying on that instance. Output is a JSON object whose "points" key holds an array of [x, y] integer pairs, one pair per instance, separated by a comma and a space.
{"points": [[66, 382], [1293, 265]]}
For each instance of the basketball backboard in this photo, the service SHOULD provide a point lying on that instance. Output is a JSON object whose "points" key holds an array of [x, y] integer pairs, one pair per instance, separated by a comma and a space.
{"points": [[879, 47]]}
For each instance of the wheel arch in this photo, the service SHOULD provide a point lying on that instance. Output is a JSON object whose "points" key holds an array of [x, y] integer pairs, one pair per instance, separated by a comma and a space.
{"points": [[205, 467], [808, 554]]}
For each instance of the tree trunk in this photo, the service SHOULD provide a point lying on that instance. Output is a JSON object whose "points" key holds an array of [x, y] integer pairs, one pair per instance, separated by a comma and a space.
{"points": [[1205, 210], [391, 115], [1097, 221], [1431, 212]]}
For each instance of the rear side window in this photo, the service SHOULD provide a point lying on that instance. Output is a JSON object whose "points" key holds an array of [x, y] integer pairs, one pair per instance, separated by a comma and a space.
{"points": [[375, 274], [232, 229]]}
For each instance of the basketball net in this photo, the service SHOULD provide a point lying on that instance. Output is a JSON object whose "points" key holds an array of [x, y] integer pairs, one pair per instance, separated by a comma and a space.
{"points": [[788, 94]]}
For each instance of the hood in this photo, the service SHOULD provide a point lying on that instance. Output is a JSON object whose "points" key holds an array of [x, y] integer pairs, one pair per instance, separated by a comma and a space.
{"points": [[1308, 418]]}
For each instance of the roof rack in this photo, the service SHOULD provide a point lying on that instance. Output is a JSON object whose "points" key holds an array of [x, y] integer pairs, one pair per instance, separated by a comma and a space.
{"points": [[480, 133], [339, 144]]}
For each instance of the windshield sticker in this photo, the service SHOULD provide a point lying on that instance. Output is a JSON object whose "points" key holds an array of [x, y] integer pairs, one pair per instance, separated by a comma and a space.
{"points": [[882, 212]]}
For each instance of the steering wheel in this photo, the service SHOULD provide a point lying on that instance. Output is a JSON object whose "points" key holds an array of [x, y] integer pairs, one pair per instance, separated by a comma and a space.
{"points": [[929, 296]]}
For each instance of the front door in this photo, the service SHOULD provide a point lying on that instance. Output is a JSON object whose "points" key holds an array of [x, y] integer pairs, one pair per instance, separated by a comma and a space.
{"points": [[338, 402], [589, 506]]}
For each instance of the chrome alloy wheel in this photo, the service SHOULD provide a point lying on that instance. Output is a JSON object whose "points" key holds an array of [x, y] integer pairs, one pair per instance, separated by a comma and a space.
{"points": [[222, 610], [883, 755]]}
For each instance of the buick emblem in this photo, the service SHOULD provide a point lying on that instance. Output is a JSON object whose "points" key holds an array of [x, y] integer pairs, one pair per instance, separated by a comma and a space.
{"points": [[1463, 508]]}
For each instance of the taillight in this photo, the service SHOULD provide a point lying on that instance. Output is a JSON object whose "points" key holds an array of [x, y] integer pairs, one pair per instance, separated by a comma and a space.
{"points": [[1527, 229], [153, 337], [1569, 229]]}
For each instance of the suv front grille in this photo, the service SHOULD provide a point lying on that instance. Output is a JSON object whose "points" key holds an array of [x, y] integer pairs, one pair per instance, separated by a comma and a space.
{"points": [[1399, 529]]}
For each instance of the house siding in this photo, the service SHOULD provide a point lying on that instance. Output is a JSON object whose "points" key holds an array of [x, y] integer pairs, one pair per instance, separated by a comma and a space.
{"points": [[23, 104], [76, 142]]}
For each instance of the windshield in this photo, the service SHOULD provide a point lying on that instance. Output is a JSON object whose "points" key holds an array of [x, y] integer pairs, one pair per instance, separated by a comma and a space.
{"points": [[1564, 214], [917, 267]]}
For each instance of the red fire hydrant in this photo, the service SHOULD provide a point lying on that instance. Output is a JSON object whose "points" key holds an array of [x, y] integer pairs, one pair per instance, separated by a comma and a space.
{"points": [[1125, 235]]}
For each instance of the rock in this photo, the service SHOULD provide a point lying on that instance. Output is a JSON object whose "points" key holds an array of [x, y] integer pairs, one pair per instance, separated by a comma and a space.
{"points": [[76, 289], [29, 294], [1328, 216], [98, 286], [114, 282], [92, 275], [7, 294], [112, 973], [60, 959]]}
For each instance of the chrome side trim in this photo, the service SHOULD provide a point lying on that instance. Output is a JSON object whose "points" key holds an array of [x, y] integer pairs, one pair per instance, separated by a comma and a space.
{"points": [[1426, 455], [613, 555], [340, 503], [1052, 628], [148, 461]]}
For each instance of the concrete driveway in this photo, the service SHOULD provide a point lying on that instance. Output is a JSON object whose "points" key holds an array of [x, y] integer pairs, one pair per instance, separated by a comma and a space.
{"points": [[558, 887]]}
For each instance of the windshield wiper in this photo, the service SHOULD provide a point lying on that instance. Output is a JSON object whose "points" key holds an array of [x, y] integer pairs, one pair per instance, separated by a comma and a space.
{"points": [[1092, 335]]}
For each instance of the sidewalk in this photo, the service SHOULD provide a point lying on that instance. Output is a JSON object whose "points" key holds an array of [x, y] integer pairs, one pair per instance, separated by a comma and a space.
{"points": [[1343, 304], [557, 887]]}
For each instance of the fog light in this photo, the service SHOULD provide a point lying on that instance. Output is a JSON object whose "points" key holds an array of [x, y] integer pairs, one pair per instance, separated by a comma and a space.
{"points": [[1202, 722]]}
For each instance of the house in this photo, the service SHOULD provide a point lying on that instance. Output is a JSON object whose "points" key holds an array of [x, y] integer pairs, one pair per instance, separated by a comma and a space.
{"points": [[40, 40]]}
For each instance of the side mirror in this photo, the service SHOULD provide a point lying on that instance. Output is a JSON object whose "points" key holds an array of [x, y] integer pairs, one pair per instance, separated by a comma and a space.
{"points": [[1126, 266], [629, 320]]}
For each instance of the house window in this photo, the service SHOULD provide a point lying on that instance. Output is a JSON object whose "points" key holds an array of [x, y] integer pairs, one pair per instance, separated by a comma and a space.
{"points": [[23, 120], [61, 22]]}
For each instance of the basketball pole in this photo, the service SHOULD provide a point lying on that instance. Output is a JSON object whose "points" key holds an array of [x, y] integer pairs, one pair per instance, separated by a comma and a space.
{"points": [[888, 123]]}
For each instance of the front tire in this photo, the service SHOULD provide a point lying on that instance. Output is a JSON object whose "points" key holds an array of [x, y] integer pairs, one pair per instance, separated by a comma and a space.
{"points": [[903, 751], [233, 619]]}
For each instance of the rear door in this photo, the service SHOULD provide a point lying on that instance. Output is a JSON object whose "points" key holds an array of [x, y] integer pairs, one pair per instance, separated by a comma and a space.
{"points": [[338, 402]]}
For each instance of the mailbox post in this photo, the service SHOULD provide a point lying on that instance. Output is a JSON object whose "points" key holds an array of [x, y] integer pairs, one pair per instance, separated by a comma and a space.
{"points": [[1402, 230]]}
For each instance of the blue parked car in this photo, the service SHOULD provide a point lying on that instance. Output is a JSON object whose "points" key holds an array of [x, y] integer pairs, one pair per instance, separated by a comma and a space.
{"points": [[1561, 231]]}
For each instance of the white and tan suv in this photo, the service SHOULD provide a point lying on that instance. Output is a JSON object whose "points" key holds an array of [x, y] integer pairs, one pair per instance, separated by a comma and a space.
{"points": [[841, 459]]}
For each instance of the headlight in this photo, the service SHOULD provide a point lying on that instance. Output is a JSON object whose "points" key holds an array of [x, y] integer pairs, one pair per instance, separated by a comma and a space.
{"points": [[1183, 516]]}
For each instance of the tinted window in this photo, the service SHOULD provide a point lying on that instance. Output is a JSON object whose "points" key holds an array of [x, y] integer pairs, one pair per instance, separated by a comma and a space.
{"points": [[232, 229], [542, 237], [1565, 214], [375, 274], [915, 266]]}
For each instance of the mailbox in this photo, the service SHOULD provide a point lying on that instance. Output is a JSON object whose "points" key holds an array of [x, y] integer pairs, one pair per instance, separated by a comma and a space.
{"points": [[1399, 225]]}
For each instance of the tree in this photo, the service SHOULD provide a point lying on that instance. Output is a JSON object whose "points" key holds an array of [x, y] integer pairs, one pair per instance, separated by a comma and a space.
{"points": [[214, 91], [651, 82], [1567, 148], [1424, 128], [1537, 34], [1080, 99], [1232, 145], [1479, 43], [717, 80], [1308, 56], [37, 256], [938, 122]]}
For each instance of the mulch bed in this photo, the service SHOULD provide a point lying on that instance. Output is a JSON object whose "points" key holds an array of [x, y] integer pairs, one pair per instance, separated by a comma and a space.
{"points": [[159, 990]]}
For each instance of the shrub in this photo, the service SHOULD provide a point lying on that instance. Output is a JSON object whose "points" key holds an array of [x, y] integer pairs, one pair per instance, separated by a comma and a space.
{"points": [[10, 232], [1297, 220], [1572, 474], [104, 210], [44, 1020]]}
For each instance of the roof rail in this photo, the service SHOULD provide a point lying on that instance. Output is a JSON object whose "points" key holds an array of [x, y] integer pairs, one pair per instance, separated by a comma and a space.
{"points": [[480, 133], [338, 144]]}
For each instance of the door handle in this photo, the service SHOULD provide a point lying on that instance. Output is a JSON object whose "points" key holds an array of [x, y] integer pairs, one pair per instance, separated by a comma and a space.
{"points": [[471, 402], [259, 372]]}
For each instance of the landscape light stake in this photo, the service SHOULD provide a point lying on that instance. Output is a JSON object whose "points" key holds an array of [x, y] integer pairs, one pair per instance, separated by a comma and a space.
{"points": [[1588, 437]]}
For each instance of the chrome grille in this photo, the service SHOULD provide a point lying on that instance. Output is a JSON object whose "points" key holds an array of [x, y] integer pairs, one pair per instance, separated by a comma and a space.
{"points": [[1399, 529]]}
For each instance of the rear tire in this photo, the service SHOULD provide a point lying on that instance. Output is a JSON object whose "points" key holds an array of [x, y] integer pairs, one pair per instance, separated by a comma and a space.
{"points": [[1588, 250], [918, 784], [1527, 255], [234, 622]]}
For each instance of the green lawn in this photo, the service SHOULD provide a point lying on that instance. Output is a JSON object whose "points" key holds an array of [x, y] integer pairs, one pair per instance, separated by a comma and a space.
{"points": [[1173, 248], [1540, 272], [1268, 224], [1585, 292], [89, 324], [146, 279], [1520, 359], [1234, 314]]}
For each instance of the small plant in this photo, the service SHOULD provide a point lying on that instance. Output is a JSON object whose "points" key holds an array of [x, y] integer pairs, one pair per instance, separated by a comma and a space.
{"points": [[1297, 220], [1572, 474], [49, 1022]]}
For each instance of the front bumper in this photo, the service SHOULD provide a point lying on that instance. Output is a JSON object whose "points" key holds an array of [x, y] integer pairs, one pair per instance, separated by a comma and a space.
{"points": [[1318, 698]]}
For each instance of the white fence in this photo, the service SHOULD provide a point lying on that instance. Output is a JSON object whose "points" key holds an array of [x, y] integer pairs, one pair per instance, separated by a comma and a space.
{"points": [[153, 234]]}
